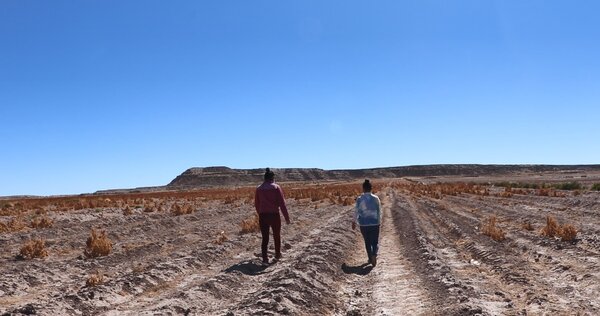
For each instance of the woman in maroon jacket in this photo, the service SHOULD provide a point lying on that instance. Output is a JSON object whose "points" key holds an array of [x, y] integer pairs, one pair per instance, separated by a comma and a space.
{"points": [[268, 200]]}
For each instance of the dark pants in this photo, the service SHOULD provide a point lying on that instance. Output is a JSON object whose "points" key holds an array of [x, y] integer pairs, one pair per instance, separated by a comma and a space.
{"points": [[266, 221], [371, 236]]}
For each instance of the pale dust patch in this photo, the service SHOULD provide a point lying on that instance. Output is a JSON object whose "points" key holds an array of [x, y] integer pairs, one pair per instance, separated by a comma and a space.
{"points": [[396, 290]]}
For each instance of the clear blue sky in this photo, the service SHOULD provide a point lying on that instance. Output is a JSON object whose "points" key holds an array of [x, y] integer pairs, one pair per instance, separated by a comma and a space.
{"points": [[117, 94]]}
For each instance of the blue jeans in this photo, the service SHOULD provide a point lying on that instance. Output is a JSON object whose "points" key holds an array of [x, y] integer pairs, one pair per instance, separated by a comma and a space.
{"points": [[371, 237]]}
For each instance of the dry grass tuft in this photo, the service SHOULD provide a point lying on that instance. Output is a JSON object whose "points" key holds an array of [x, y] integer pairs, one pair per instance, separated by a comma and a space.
{"points": [[566, 232], [250, 225], [41, 222], [182, 210], [221, 238], [527, 226], [489, 228], [127, 211], [14, 225], [33, 248], [95, 279], [98, 244], [552, 228]]}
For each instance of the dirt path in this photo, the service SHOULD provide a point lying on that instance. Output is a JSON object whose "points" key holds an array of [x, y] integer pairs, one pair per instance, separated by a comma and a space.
{"points": [[390, 288]]}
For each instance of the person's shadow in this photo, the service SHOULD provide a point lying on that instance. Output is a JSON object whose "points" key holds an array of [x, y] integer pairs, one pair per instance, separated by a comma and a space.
{"points": [[248, 267], [362, 269]]}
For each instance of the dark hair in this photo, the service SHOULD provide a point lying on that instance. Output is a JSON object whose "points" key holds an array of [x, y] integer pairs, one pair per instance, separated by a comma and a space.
{"points": [[367, 187], [269, 175]]}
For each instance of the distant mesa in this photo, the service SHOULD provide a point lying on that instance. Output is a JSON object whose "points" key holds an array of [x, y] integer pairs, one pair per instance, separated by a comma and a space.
{"points": [[224, 176]]}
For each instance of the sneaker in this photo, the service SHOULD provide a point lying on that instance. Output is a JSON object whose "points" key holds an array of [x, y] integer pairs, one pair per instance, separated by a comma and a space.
{"points": [[264, 263], [374, 260]]}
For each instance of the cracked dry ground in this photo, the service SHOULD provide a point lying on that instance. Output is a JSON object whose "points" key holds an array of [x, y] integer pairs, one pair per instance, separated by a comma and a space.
{"points": [[433, 261]]}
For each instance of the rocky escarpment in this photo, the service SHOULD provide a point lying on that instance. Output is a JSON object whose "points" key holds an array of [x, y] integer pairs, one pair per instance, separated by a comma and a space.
{"points": [[216, 176]]}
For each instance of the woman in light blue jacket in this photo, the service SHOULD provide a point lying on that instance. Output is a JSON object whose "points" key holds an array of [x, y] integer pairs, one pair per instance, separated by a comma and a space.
{"points": [[368, 216]]}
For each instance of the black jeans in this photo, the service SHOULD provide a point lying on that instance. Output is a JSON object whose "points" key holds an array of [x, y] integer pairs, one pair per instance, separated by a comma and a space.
{"points": [[371, 236]]}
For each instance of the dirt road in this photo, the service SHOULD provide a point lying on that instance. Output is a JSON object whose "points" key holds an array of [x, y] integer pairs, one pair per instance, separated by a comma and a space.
{"points": [[433, 260]]}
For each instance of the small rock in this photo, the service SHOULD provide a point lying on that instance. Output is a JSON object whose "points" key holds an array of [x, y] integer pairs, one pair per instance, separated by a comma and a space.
{"points": [[27, 310], [357, 293], [354, 312], [287, 246]]}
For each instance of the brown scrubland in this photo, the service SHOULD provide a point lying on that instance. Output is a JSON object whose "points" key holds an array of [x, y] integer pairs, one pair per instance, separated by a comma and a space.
{"points": [[449, 246]]}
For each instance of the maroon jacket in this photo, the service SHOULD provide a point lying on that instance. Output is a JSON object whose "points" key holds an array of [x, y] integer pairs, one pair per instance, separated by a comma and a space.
{"points": [[269, 199]]}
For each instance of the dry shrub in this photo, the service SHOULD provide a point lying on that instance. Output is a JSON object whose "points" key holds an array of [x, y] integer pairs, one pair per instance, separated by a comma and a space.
{"points": [[149, 209], [250, 225], [182, 210], [33, 248], [543, 192], [527, 226], [127, 211], [566, 232], [14, 225], [98, 244], [552, 228], [229, 200], [221, 238], [489, 228], [95, 279], [41, 222]]}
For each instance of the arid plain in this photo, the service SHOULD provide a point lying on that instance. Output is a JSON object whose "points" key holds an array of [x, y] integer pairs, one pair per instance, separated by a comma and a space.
{"points": [[509, 244]]}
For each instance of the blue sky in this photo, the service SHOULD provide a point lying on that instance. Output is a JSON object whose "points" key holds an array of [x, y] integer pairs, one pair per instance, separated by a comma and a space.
{"points": [[117, 94]]}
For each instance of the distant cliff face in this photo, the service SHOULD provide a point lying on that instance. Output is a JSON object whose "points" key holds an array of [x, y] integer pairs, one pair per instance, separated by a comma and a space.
{"points": [[218, 176], [212, 176]]}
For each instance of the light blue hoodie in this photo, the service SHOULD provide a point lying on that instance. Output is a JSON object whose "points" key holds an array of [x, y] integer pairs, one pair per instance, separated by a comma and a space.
{"points": [[368, 210]]}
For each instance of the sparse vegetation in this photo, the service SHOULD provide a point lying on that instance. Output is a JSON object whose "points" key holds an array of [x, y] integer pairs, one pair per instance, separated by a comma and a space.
{"points": [[95, 279], [440, 212], [14, 225], [127, 211], [552, 229], [542, 189], [41, 222], [595, 187], [221, 238], [250, 225], [528, 226], [33, 248], [97, 245], [182, 210], [568, 232], [489, 228], [568, 186]]}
